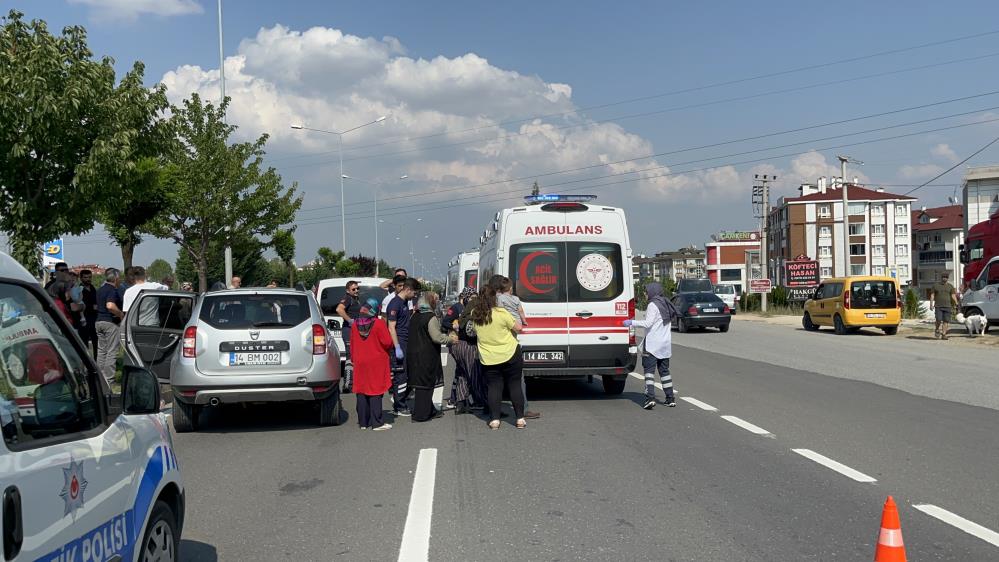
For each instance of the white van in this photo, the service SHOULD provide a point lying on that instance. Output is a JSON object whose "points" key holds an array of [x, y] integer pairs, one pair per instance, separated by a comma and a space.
{"points": [[81, 478], [328, 293], [570, 262], [462, 272], [982, 297]]}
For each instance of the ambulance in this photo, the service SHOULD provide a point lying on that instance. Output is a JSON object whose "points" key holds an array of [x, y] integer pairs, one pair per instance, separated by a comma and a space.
{"points": [[462, 272], [570, 262], [84, 476]]}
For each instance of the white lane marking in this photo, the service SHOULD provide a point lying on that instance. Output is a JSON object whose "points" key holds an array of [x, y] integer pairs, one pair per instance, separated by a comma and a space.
{"points": [[746, 425], [416, 535], [837, 466], [699, 404], [970, 527]]}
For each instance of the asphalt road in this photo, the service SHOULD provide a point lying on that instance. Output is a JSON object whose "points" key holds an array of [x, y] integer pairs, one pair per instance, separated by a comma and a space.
{"points": [[598, 478]]}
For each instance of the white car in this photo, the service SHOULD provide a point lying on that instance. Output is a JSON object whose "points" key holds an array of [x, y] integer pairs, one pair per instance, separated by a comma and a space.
{"points": [[329, 292], [83, 476], [728, 295]]}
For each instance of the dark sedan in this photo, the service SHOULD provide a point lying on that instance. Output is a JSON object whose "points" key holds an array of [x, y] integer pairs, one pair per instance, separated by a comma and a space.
{"points": [[701, 310]]}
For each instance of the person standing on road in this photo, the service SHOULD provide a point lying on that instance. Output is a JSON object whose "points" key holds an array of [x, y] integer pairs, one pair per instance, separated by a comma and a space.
{"points": [[499, 353], [370, 357], [399, 314], [506, 299], [423, 356], [942, 295], [658, 344], [88, 329], [149, 315], [109, 316], [348, 310]]}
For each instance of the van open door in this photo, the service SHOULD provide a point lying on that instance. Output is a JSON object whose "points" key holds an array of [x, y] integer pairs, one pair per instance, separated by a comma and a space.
{"points": [[154, 327], [537, 270]]}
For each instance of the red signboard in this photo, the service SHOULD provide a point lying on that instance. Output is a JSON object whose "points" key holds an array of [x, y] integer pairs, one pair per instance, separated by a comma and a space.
{"points": [[760, 285], [801, 273], [538, 272]]}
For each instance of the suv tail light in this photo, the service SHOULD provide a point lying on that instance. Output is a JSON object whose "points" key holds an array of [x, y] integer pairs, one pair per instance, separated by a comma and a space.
{"points": [[692, 310], [846, 299], [632, 340], [190, 341], [318, 339]]}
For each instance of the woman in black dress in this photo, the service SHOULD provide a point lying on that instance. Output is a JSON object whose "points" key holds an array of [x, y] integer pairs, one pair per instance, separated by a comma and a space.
{"points": [[423, 356]]}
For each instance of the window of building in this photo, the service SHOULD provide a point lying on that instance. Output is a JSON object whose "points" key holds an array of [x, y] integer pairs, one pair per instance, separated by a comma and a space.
{"points": [[858, 269], [825, 211], [857, 208], [878, 270], [731, 275], [858, 249], [878, 209], [878, 229], [825, 272], [901, 249], [825, 232], [924, 219], [825, 251], [878, 250], [901, 210], [858, 229], [937, 238], [901, 230], [923, 239], [903, 271]]}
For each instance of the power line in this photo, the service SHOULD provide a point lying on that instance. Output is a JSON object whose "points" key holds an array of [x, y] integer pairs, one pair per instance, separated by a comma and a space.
{"points": [[679, 151], [948, 170], [398, 140]]}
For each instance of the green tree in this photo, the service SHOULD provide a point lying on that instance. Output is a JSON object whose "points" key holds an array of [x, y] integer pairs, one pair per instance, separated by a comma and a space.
{"points": [[323, 267], [158, 269], [347, 267], [63, 130], [216, 189], [247, 262], [284, 244]]}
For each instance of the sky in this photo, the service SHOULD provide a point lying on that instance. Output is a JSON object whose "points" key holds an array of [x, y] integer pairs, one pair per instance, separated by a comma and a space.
{"points": [[482, 99]]}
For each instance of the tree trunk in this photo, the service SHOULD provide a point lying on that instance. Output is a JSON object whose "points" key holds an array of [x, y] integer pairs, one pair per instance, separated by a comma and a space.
{"points": [[291, 274], [202, 273], [127, 252]]}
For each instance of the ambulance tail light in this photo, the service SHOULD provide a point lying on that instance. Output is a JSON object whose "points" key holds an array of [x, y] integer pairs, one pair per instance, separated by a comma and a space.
{"points": [[318, 339], [190, 341], [632, 340], [846, 299]]}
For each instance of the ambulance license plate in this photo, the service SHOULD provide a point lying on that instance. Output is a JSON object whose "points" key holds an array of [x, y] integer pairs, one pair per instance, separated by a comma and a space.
{"points": [[241, 359], [544, 357], [871, 315]]}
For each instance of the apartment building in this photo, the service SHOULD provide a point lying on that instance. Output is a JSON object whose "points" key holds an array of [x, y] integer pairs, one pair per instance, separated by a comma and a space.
{"points": [[878, 226], [981, 194], [938, 234], [685, 262], [726, 257]]}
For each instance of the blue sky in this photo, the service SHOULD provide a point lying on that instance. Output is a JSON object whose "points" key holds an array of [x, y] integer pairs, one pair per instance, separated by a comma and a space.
{"points": [[439, 67]]}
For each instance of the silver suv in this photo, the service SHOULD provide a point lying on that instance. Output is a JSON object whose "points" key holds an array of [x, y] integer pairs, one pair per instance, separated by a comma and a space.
{"points": [[241, 345]]}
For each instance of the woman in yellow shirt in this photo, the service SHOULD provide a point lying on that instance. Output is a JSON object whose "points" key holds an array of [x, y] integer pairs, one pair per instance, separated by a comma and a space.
{"points": [[499, 354]]}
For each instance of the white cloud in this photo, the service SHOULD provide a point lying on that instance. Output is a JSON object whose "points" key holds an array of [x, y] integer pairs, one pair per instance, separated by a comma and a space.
{"points": [[131, 9], [919, 171], [944, 151]]}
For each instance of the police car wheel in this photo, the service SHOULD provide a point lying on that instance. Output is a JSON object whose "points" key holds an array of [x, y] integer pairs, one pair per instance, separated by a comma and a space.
{"points": [[160, 541]]}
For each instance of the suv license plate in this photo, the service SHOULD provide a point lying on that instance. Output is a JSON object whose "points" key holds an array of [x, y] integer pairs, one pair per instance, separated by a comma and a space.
{"points": [[544, 356], [870, 315], [239, 359]]}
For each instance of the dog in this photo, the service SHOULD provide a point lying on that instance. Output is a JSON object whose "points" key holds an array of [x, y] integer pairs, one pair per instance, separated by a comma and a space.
{"points": [[976, 323]]}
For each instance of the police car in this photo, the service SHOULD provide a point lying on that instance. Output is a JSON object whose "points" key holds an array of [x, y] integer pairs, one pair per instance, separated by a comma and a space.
{"points": [[81, 479], [570, 262]]}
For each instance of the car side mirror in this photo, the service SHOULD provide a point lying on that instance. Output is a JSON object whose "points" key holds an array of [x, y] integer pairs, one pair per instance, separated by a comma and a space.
{"points": [[140, 391]]}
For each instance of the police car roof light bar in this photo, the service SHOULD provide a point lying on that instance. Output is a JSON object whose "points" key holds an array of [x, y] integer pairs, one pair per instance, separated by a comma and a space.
{"points": [[552, 198]]}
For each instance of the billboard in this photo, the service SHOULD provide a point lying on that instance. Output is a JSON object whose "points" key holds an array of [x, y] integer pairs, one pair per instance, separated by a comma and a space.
{"points": [[52, 253], [737, 236], [801, 273], [760, 286]]}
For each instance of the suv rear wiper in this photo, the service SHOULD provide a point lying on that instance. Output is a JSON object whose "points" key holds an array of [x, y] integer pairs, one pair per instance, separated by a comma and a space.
{"points": [[272, 325]]}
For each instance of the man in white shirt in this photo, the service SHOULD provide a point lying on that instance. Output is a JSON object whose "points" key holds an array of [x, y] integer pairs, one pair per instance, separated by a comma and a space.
{"points": [[149, 312], [658, 344]]}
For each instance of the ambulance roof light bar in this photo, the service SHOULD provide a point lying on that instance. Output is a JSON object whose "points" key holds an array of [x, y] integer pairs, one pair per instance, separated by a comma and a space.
{"points": [[552, 198]]}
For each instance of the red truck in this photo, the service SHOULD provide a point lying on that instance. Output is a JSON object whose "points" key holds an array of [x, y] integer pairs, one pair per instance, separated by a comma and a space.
{"points": [[980, 245]]}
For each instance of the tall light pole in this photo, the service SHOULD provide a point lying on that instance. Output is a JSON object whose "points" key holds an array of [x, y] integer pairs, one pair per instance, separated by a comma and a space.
{"points": [[340, 134], [228, 246], [402, 230], [846, 211], [374, 185]]}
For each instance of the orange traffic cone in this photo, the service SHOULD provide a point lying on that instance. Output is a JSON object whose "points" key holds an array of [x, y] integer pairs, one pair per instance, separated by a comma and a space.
{"points": [[890, 546]]}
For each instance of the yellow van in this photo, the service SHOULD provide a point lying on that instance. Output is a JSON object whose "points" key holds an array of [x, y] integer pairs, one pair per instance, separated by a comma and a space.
{"points": [[850, 303]]}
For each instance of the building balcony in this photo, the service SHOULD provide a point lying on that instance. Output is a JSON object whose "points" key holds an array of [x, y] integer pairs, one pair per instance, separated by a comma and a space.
{"points": [[938, 256]]}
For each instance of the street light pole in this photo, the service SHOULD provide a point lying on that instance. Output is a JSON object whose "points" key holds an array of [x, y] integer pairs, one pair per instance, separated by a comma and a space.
{"points": [[846, 212], [228, 247], [375, 186]]}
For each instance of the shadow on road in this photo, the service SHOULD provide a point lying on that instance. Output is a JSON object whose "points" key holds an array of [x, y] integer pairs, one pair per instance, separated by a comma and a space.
{"points": [[194, 551], [250, 418]]}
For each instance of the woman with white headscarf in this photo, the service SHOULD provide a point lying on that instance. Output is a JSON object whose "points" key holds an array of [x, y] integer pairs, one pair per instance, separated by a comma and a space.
{"points": [[658, 344]]}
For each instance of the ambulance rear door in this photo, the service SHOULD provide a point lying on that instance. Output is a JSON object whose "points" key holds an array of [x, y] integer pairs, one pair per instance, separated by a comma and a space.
{"points": [[535, 253]]}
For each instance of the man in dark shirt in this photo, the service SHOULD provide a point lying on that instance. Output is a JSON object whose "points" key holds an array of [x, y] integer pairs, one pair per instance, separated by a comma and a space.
{"points": [[109, 315], [88, 324], [348, 309], [942, 295], [398, 314]]}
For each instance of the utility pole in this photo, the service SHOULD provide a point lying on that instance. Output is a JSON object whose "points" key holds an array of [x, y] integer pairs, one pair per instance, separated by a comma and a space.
{"points": [[761, 201], [228, 248], [846, 211]]}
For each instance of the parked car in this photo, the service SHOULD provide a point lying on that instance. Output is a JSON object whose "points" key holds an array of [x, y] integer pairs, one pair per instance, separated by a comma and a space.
{"points": [[329, 292], [851, 303], [694, 286], [701, 310], [728, 295], [84, 475], [242, 345]]}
